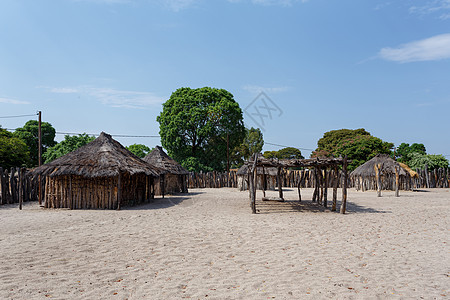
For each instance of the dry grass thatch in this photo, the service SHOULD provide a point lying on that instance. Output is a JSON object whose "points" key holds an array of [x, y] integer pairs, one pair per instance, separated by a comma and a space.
{"points": [[388, 166], [412, 173], [270, 171], [160, 159], [103, 157]]}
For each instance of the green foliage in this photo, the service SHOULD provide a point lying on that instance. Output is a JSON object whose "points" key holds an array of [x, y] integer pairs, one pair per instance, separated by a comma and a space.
{"points": [[195, 123], [404, 151], [270, 154], [69, 144], [358, 145], [193, 164], [432, 161], [13, 151], [29, 134], [289, 153], [253, 143], [139, 150], [285, 153], [330, 140]]}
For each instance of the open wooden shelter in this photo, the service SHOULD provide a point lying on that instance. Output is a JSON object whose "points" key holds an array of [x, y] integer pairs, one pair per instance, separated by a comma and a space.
{"points": [[382, 173], [101, 174], [323, 167], [174, 177], [267, 178]]}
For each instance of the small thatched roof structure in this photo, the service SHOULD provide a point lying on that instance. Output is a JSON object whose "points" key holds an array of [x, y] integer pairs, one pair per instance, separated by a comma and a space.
{"points": [[103, 157], [270, 171], [160, 159], [409, 170], [388, 166]]}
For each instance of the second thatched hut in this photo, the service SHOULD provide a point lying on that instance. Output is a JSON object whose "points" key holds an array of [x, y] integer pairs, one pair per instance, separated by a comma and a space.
{"points": [[101, 174], [391, 174], [174, 179]]}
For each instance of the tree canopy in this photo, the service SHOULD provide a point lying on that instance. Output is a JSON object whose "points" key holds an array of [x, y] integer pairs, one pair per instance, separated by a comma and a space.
{"points": [[69, 144], [432, 161], [253, 143], [285, 153], [13, 151], [195, 123], [358, 145], [404, 151], [139, 150], [29, 134]]}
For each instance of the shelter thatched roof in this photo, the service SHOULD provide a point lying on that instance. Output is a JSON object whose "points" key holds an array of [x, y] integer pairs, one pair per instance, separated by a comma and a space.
{"points": [[270, 171], [103, 157], [387, 167], [160, 159]]}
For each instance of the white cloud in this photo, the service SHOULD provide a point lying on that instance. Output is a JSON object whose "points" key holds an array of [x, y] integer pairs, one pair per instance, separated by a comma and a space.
{"points": [[441, 7], [112, 97], [430, 49], [64, 90], [256, 89], [129, 99], [270, 2], [13, 101]]}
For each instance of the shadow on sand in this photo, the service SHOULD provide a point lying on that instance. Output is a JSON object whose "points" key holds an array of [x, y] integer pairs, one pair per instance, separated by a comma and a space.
{"points": [[166, 202], [289, 206]]}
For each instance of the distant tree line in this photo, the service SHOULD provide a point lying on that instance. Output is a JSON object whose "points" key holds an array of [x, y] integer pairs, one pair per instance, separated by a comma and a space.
{"points": [[203, 129]]}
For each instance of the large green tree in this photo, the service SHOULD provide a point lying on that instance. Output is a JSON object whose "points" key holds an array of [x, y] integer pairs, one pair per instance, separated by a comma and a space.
{"points": [[404, 151], [139, 150], [69, 144], [195, 123], [285, 153], [13, 151], [358, 145], [253, 143], [29, 134], [432, 161]]}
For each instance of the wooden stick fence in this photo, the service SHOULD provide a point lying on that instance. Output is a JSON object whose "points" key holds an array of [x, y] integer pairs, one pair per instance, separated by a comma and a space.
{"points": [[17, 186]]}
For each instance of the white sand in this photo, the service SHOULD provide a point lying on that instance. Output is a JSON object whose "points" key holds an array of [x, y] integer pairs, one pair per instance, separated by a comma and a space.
{"points": [[208, 245]]}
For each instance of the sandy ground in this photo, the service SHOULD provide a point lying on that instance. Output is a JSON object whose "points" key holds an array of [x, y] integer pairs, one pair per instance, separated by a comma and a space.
{"points": [[208, 245]]}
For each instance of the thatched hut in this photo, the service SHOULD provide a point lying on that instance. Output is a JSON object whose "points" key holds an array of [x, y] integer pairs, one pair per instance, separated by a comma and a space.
{"points": [[268, 173], [174, 179], [101, 174], [391, 173]]}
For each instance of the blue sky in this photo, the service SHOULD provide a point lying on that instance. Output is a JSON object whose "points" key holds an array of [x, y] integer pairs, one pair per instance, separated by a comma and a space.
{"points": [[108, 65]]}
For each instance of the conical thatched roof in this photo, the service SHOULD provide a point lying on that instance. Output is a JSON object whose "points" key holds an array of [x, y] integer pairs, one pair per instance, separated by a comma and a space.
{"points": [[160, 159], [103, 157], [387, 167], [270, 171]]}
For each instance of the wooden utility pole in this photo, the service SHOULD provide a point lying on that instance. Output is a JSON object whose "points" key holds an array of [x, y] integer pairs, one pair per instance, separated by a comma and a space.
{"points": [[40, 155]]}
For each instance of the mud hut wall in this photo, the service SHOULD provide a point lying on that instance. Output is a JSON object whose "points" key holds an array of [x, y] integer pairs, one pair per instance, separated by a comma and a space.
{"points": [[96, 193]]}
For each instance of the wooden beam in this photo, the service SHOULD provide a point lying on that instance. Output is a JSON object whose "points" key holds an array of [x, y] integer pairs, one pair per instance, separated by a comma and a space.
{"points": [[335, 188], [344, 187], [377, 168]]}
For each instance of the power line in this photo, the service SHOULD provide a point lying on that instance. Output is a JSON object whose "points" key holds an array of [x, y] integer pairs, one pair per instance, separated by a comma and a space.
{"points": [[278, 145], [18, 116]]}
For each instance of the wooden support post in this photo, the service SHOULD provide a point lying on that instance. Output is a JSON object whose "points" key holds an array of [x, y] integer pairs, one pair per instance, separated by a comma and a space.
{"points": [[378, 178], [335, 188], [299, 185], [397, 175], [21, 174], [325, 188], [252, 188], [344, 187], [316, 186], [162, 184], [280, 184], [70, 193], [3, 187], [263, 181], [119, 190]]}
